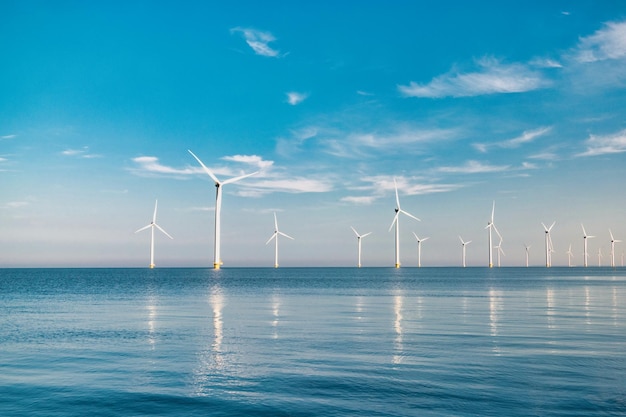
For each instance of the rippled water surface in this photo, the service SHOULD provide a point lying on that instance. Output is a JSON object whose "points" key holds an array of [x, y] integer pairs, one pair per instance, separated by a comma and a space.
{"points": [[313, 341]]}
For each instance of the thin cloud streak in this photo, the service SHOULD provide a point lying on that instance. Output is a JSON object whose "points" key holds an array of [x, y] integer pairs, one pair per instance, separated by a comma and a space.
{"points": [[526, 137], [603, 145], [473, 167], [258, 41], [492, 77]]}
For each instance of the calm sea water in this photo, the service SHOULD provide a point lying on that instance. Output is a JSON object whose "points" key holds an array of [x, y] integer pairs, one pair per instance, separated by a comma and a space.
{"points": [[313, 341]]}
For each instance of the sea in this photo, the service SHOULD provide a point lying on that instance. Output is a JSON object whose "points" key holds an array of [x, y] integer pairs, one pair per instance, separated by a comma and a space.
{"points": [[313, 342]]}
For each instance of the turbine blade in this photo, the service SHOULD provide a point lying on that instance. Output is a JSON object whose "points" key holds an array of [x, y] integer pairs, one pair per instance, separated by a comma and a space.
{"points": [[468, 242], [461, 239], [417, 238], [155, 211], [161, 229], [552, 225], [355, 232], [611, 233], [497, 232], [275, 222], [425, 239], [493, 209], [369, 233], [395, 219], [544, 226], [270, 239], [397, 198], [144, 228], [231, 180], [410, 215], [207, 170], [584, 232], [286, 235]]}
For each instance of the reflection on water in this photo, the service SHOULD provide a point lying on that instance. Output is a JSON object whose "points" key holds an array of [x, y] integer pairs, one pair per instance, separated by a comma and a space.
{"points": [[397, 325], [550, 308], [275, 315], [152, 317], [495, 305], [217, 303]]}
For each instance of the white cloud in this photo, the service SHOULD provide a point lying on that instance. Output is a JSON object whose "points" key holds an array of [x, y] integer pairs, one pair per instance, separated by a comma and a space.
{"points": [[606, 43], [473, 167], [151, 165], [8, 137], [253, 160], [81, 153], [608, 144], [526, 137], [360, 200], [492, 77], [15, 204], [294, 98], [258, 41]]}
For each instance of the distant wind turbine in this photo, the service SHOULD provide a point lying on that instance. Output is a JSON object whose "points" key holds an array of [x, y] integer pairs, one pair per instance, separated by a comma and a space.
{"points": [[396, 221], [549, 248], [275, 237], [419, 249], [463, 243], [217, 259], [569, 255], [358, 238], [526, 248], [599, 256], [613, 242], [585, 237], [152, 225], [500, 252]]}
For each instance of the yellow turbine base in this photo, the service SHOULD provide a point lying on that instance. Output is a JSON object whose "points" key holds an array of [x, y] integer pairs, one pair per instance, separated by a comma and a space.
{"points": [[216, 266], [490, 265], [151, 266], [397, 265]]}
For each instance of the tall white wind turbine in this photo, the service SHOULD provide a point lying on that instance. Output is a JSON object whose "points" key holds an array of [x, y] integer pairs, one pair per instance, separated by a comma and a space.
{"points": [[463, 243], [419, 249], [500, 252], [549, 248], [585, 237], [613, 242], [569, 255], [217, 259], [396, 221], [152, 225], [275, 237], [491, 225], [358, 238], [527, 248]]}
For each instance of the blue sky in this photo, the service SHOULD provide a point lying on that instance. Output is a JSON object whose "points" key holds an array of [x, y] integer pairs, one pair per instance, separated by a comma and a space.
{"points": [[522, 103]]}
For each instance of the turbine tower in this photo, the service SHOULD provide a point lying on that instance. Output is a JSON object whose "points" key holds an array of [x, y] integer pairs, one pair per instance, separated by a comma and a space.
{"points": [[526, 248], [464, 244], [396, 221], [419, 249], [549, 248], [569, 255], [500, 252], [275, 237], [585, 237], [613, 242], [152, 225], [599, 256], [358, 238], [217, 259]]}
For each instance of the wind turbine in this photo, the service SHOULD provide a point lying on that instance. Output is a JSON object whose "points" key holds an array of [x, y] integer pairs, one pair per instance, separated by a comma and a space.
{"points": [[419, 249], [152, 225], [358, 238], [569, 255], [463, 244], [217, 259], [613, 242], [585, 237], [526, 248], [275, 237], [491, 225], [549, 247], [599, 256], [396, 221], [500, 252]]}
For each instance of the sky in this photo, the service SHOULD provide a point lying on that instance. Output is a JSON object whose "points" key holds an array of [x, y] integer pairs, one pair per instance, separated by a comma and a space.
{"points": [[463, 103]]}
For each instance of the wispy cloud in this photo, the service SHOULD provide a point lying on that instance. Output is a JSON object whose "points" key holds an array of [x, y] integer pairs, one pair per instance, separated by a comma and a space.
{"points": [[294, 98], [80, 153], [8, 137], [608, 144], [258, 41], [492, 77], [473, 167], [606, 43], [11, 205], [378, 186], [253, 160], [526, 137], [150, 165]]}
